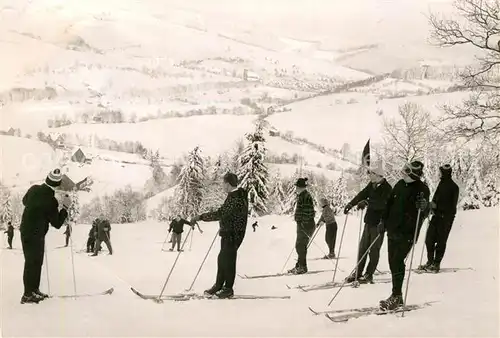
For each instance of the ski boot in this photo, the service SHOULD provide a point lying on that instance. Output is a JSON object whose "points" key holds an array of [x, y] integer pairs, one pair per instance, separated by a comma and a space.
{"points": [[424, 267], [298, 270], [329, 256], [352, 279], [366, 279], [225, 293], [212, 291], [41, 294], [391, 303], [26, 299], [434, 268]]}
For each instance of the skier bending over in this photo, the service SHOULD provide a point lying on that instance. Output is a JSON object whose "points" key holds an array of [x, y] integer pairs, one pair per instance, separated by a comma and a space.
{"points": [[40, 209], [328, 217], [443, 208], [10, 234], [375, 195], [177, 226], [91, 239], [233, 218], [102, 234], [409, 196], [304, 217]]}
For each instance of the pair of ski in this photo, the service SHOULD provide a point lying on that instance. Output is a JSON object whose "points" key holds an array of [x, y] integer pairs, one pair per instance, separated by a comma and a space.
{"points": [[106, 292], [313, 272], [339, 316], [196, 296], [330, 285]]}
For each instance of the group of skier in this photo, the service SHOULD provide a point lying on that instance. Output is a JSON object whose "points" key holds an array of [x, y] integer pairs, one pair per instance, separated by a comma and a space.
{"points": [[400, 211]]}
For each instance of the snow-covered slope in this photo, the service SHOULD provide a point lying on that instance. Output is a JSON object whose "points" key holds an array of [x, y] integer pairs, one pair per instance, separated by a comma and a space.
{"points": [[464, 297]]}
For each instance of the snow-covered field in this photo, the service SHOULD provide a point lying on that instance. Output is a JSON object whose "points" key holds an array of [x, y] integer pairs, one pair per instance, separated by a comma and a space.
{"points": [[467, 301]]}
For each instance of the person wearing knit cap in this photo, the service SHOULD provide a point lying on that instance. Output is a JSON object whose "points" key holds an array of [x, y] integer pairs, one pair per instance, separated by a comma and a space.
{"points": [[41, 208], [443, 208], [304, 217], [408, 201], [328, 217], [233, 219], [374, 196]]}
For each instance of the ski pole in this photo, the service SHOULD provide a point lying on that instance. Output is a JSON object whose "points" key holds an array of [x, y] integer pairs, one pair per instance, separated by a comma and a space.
{"points": [[411, 262], [423, 245], [173, 266], [203, 262], [47, 268], [165, 241], [191, 242], [311, 239], [340, 247], [359, 238], [286, 262], [72, 262], [364, 255]]}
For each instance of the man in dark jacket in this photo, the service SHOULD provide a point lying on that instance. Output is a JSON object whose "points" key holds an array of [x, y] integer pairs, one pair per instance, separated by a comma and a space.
{"points": [[375, 195], [233, 218], [304, 217], [10, 234], [177, 226], [40, 209], [443, 208], [91, 239], [102, 234], [408, 200]]}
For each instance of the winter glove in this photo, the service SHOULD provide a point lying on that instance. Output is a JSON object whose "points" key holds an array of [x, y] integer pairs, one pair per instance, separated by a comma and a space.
{"points": [[422, 203], [381, 227], [66, 201], [347, 208], [363, 204]]}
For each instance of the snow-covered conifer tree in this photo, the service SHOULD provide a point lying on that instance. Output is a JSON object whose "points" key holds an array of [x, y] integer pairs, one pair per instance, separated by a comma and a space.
{"points": [[5, 207], [253, 172], [189, 191]]}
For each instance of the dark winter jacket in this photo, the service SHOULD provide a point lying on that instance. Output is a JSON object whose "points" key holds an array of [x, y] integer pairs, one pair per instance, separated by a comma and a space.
{"points": [[304, 212], [102, 229], [327, 216], [10, 231], [178, 226], [446, 197], [377, 195], [401, 213], [40, 209], [232, 215], [92, 232]]}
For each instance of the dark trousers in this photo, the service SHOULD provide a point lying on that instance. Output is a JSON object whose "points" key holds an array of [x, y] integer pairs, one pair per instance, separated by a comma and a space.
{"points": [[304, 232], [398, 250], [226, 261], [437, 236], [33, 249], [67, 239], [106, 241], [176, 240], [90, 244], [369, 235], [331, 237], [9, 241]]}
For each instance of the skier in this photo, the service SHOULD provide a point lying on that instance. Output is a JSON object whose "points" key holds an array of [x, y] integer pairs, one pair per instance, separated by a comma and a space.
{"points": [[10, 234], [304, 217], [91, 239], [40, 208], [254, 226], [102, 234], [374, 196], [67, 232], [177, 226], [409, 196], [443, 207], [233, 218], [328, 217]]}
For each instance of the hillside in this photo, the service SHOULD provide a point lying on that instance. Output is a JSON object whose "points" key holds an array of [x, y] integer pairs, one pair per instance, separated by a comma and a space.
{"points": [[465, 297]]}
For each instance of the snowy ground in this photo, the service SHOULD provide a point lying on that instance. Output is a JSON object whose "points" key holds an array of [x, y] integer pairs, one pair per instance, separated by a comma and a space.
{"points": [[467, 300]]}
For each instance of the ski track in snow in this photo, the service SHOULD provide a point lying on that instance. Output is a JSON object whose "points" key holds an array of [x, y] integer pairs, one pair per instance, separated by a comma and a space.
{"points": [[463, 297]]}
